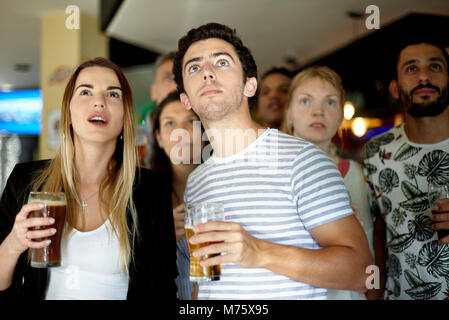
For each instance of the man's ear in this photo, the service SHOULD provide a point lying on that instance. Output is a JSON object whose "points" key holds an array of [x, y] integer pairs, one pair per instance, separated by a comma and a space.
{"points": [[394, 90], [250, 87], [185, 101]]}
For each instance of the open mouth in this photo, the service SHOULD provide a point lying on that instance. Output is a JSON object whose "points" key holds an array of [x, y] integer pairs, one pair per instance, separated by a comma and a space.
{"points": [[318, 125], [97, 120]]}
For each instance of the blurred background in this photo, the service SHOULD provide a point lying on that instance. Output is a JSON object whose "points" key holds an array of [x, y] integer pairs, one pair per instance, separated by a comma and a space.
{"points": [[42, 41]]}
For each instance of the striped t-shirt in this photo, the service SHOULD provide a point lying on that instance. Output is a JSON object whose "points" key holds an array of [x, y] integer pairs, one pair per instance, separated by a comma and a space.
{"points": [[278, 189]]}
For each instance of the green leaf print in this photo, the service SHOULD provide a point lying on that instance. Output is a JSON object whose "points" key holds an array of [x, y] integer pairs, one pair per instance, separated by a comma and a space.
{"points": [[388, 179], [385, 138], [435, 258], [410, 191], [421, 227], [373, 147], [435, 167], [386, 205], [370, 149], [417, 200], [394, 266], [370, 169], [398, 217], [399, 242], [396, 288], [410, 170], [423, 290], [411, 260], [405, 152]]}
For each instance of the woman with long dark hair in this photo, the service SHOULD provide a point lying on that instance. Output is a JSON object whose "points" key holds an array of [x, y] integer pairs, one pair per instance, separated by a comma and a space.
{"points": [[177, 151]]}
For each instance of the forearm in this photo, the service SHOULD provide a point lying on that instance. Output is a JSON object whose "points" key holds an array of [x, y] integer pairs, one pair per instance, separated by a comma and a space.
{"points": [[335, 267], [8, 262]]}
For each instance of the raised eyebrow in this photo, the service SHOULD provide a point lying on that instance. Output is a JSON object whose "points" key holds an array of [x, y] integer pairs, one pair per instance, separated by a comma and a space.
{"points": [[217, 54], [437, 59], [409, 62], [432, 59], [91, 87], [114, 88], [85, 85]]}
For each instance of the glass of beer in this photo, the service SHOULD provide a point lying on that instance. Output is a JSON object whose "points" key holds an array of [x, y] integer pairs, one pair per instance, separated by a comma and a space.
{"points": [[54, 207], [142, 143], [438, 192], [196, 213]]}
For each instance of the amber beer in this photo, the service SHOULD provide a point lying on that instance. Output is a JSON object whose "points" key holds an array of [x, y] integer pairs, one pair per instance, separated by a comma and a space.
{"points": [[142, 152], [196, 270], [196, 213], [54, 207]]}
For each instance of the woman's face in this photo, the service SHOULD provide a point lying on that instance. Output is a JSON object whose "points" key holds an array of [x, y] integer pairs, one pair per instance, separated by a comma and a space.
{"points": [[96, 107], [315, 111], [180, 134]]}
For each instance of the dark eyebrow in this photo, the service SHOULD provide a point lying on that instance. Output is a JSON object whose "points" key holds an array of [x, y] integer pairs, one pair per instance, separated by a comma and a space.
{"points": [[85, 85], [216, 54], [91, 87], [429, 59], [114, 88], [213, 55], [192, 60]]}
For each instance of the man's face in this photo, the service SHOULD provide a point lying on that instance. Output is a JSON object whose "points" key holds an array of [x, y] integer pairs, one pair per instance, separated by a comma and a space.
{"points": [[213, 79], [422, 80], [273, 98], [163, 82]]}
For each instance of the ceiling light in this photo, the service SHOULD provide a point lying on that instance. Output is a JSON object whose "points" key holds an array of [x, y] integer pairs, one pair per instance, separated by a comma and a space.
{"points": [[348, 110]]}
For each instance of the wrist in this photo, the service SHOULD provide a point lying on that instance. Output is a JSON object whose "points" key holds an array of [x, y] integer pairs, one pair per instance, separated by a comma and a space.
{"points": [[8, 250], [263, 254]]}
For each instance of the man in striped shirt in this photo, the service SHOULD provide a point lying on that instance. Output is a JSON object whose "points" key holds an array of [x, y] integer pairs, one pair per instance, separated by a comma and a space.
{"points": [[289, 231]]}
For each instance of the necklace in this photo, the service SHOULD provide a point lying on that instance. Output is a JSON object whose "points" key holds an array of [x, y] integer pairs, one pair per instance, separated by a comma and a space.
{"points": [[84, 202]]}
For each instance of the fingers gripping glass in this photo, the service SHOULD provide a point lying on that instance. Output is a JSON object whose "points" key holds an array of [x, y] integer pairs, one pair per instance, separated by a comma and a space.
{"points": [[197, 213], [54, 207], [438, 192]]}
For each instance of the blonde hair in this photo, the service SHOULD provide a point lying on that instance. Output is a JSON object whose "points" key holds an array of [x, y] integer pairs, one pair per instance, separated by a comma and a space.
{"points": [[322, 72], [116, 189]]}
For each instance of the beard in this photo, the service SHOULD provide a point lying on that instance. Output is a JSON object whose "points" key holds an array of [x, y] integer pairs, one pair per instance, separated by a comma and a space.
{"points": [[216, 111], [426, 108]]}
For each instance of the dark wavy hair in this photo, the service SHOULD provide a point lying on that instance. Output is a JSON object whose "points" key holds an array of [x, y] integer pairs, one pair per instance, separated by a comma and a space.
{"points": [[219, 31], [159, 161]]}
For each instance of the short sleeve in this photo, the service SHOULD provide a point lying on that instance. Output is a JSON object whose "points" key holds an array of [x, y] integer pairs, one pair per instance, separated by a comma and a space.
{"points": [[318, 189]]}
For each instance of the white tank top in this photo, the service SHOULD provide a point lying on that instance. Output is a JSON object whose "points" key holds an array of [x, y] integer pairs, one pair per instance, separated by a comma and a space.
{"points": [[90, 268]]}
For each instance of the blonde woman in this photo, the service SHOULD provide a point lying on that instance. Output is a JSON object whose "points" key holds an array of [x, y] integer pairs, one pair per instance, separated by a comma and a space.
{"points": [[315, 113], [119, 240]]}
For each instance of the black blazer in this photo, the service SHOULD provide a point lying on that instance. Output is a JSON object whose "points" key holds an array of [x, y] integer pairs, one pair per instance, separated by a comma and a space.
{"points": [[153, 272]]}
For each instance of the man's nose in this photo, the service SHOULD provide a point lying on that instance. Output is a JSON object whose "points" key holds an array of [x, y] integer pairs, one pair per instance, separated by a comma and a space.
{"points": [[423, 75], [208, 73]]}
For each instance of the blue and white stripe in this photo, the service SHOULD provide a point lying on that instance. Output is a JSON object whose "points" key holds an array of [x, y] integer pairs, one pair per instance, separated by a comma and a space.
{"points": [[278, 189]]}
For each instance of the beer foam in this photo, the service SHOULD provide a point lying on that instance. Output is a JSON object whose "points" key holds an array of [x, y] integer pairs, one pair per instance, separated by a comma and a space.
{"points": [[53, 203]]}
